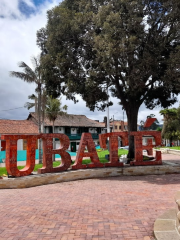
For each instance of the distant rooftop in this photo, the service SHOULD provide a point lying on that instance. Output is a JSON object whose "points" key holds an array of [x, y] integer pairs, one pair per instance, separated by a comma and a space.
{"points": [[149, 122], [118, 122], [70, 120], [17, 126]]}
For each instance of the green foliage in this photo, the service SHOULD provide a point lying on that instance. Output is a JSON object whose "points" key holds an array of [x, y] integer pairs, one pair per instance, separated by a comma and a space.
{"points": [[3, 171], [126, 46], [175, 148], [169, 114], [95, 44], [171, 127], [28, 74], [53, 108], [159, 129]]}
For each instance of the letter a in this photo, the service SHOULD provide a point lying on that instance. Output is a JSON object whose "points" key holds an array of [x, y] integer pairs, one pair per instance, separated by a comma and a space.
{"points": [[86, 140]]}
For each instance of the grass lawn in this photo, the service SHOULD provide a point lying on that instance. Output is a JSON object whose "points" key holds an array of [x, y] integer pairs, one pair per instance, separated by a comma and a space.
{"points": [[101, 155], [175, 148]]}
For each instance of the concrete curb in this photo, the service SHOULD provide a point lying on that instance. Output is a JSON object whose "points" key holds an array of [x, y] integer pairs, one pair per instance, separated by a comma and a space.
{"points": [[168, 151], [165, 226], [70, 175]]}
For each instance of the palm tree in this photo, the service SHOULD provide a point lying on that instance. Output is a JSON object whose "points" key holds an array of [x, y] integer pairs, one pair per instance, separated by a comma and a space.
{"points": [[33, 76], [53, 110], [34, 104]]}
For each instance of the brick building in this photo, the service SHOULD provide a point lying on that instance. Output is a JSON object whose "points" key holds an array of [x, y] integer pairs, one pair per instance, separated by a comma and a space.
{"points": [[119, 126]]}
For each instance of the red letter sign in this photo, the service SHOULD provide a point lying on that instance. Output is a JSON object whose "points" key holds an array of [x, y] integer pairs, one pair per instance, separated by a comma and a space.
{"points": [[48, 151], [139, 147], [113, 146], [86, 140], [11, 154]]}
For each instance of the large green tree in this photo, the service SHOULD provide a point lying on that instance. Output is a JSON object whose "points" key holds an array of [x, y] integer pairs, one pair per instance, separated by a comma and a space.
{"points": [[169, 115], [171, 126], [129, 47], [31, 75]]}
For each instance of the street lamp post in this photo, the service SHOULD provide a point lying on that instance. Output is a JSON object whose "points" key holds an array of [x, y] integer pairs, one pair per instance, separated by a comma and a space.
{"points": [[113, 120]]}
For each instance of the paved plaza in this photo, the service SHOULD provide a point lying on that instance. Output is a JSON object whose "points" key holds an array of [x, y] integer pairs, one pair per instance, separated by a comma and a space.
{"points": [[94, 209]]}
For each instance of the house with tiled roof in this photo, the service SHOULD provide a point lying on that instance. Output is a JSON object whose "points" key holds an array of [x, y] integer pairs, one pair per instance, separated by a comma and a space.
{"points": [[73, 126], [16, 127], [148, 125], [151, 124]]}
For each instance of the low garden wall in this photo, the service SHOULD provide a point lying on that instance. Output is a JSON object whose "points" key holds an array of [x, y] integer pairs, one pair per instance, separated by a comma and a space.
{"points": [[70, 175], [169, 150]]}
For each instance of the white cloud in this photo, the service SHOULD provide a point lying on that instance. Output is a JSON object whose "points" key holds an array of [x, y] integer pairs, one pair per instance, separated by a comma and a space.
{"points": [[10, 9], [18, 43]]}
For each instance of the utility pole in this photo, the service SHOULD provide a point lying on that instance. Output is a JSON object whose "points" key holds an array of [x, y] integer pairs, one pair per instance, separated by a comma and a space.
{"points": [[113, 123], [123, 120], [108, 129]]}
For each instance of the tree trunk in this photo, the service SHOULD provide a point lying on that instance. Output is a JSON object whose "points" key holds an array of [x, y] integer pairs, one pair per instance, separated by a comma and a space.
{"points": [[132, 115], [39, 123], [36, 106], [164, 127], [171, 139], [53, 156], [43, 104]]}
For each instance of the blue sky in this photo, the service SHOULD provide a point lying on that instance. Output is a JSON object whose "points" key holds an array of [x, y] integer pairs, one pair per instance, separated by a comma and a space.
{"points": [[19, 22], [28, 10]]}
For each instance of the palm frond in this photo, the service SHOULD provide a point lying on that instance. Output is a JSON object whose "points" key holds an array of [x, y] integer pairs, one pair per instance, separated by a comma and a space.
{"points": [[28, 70], [29, 105], [35, 61], [32, 96], [22, 76], [53, 109]]}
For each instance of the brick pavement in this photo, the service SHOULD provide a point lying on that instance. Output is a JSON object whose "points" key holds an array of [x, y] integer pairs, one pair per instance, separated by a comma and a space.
{"points": [[122, 208], [171, 158]]}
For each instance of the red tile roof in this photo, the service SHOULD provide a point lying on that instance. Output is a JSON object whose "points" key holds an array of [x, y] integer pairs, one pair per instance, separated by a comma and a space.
{"points": [[149, 122], [17, 126]]}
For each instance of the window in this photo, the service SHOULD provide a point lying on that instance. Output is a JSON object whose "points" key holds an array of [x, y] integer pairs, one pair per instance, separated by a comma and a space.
{"points": [[98, 130], [50, 129], [119, 127], [67, 130], [115, 127]]}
